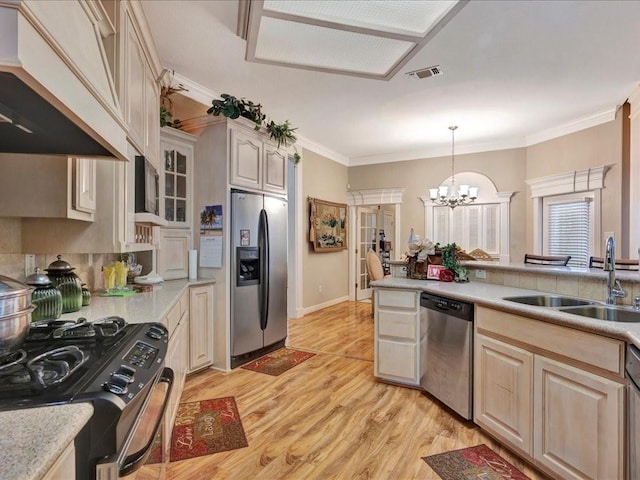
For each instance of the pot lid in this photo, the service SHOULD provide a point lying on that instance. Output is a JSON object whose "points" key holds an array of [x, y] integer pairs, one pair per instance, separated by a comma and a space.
{"points": [[59, 266], [10, 287], [38, 279]]}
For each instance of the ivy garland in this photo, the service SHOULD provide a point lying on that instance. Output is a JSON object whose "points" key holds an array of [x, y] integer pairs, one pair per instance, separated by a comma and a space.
{"points": [[232, 107]]}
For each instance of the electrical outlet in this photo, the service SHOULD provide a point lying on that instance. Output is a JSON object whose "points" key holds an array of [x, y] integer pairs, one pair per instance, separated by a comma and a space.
{"points": [[481, 274], [29, 264], [320, 288]]}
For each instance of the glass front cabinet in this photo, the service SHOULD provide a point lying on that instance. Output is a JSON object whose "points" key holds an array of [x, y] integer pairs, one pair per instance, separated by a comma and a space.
{"points": [[176, 177]]}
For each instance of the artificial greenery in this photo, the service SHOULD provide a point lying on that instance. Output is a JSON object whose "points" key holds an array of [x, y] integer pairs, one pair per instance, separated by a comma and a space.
{"points": [[166, 118], [232, 107], [449, 254]]}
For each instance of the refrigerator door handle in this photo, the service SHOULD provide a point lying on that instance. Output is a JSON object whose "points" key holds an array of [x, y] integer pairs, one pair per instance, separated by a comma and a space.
{"points": [[263, 242]]}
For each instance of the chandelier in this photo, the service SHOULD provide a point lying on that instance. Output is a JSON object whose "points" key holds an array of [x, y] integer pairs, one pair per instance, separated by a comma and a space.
{"points": [[447, 196]]}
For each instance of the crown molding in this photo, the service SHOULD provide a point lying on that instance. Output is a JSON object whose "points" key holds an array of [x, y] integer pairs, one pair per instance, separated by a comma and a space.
{"points": [[195, 91], [309, 144], [567, 128]]}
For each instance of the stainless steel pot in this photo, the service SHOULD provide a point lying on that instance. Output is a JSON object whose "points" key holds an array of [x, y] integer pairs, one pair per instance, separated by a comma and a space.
{"points": [[14, 329], [15, 313], [14, 296]]}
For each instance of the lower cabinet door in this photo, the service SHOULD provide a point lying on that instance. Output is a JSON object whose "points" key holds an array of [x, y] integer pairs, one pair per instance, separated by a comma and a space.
{"points": [[578, 422], [503, 392], [397, 361], [201, 310], [64, 467], [178, 361]]}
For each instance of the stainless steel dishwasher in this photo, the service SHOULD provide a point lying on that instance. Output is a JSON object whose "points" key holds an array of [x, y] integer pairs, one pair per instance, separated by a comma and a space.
{"points": [[448, 375], [632, 372]]}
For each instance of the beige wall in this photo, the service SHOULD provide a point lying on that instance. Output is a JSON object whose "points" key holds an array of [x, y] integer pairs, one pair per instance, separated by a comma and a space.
{"points": [[506, 168], [600, 145], [327, 180]]}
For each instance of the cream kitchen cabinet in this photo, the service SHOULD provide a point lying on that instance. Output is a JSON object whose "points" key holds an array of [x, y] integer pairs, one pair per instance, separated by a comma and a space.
{"points": [[177, 359], [400, 336], [45, 187], [173, 253], [176, 177], [115, 228], [554, 394], [139, 91], [256, 163], [65, 466], [201, 308], [503, 383]]}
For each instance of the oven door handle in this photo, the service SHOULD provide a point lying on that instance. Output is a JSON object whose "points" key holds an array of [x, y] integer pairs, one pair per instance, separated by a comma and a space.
{"points": [[134, 461]]}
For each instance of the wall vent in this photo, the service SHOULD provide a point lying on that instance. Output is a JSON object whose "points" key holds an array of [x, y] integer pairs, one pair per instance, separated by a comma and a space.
{"points": [[425, 72]]}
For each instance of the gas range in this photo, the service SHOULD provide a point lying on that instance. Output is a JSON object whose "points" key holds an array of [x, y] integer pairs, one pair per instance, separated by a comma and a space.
{"points": [[114, 365]]}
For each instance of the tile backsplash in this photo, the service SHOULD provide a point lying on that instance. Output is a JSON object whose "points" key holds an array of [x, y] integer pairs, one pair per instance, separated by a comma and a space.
{"points": [[87, 266]]}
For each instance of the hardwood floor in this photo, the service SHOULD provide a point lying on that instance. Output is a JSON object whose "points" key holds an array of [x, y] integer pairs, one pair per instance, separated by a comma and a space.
{"points": [[328, 417]]}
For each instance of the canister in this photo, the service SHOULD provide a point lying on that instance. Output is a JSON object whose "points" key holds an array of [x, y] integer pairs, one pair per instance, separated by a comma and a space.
{"points": [[68, 283], [46, 297]]}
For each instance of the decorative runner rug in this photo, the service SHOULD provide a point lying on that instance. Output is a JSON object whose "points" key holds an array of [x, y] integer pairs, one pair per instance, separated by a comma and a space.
{"points": [[473, 463], [206, 427], [278, 362]]}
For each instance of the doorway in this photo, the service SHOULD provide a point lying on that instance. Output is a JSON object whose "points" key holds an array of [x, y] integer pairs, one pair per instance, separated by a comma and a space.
{"points": [[365, 239], [379, 201]]}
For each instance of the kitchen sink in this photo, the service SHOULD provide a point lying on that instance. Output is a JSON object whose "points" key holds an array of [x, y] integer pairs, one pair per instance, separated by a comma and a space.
{"points": [[549, 301], [604, 312]]}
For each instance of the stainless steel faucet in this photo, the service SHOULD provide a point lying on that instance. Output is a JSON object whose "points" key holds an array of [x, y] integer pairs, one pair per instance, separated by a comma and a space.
{"points": [[614, 289]]}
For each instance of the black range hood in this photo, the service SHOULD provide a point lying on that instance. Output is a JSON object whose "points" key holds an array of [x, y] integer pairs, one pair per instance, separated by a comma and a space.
{"points": [[30, 124]]}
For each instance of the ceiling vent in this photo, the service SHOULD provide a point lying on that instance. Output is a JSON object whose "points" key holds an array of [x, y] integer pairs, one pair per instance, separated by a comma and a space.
{"points": [[425, 72]]}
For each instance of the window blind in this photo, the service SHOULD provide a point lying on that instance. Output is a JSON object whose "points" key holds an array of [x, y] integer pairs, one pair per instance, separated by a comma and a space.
{"points": [[569, 231]]}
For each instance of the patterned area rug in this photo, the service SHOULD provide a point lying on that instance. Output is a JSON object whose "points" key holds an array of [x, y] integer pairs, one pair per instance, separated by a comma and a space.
{"points": [[278, 362], [473, 463], [206, 427]]}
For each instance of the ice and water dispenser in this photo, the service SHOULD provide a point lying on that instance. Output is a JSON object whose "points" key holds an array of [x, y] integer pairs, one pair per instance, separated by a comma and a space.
{"points": [[248, 262]]}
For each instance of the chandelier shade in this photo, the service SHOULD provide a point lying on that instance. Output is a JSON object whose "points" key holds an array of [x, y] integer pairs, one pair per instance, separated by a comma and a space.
{"points": [[447, 195]]}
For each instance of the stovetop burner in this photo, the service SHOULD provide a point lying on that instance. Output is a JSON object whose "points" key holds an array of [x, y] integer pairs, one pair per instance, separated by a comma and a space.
{"points": [[10, 359], [73, 330]]}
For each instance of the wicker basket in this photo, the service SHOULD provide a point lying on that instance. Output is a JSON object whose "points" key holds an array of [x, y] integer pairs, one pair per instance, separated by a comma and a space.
{"points": [[418, 270]]}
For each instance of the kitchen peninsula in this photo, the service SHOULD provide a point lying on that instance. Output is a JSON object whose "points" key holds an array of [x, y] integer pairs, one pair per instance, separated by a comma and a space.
{"points": [[547, 383]]}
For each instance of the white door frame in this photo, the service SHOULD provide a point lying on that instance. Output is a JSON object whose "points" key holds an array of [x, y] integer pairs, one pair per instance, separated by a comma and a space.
{"points": [[378, 196], [363, 293], [296, 241]]}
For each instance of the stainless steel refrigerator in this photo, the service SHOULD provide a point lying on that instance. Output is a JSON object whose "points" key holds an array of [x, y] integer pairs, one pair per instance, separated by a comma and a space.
{"points": [[258, 275]]}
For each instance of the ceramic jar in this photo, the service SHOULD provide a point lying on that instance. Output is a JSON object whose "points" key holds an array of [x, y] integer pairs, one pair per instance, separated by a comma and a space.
{"points": [[86, 296], [68, 283], [46, 298]]}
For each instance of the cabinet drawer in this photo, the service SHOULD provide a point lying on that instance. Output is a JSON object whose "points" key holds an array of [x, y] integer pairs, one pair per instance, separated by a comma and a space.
{"points": [[398, 298], [397, 324], [177, 311], [173, 318], [591, 349], [397, 359]]}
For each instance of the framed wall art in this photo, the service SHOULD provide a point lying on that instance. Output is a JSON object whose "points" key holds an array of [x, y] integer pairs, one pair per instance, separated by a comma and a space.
{"points": [[328, 225]]}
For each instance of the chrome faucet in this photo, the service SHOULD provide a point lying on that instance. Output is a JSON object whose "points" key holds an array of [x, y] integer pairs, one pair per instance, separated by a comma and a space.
{"points": [[614, 289]]}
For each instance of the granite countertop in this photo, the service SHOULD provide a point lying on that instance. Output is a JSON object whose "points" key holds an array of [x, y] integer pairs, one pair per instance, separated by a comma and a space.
{"points": [[34, 438], [48, 430], [491, 295], [139, 308]]}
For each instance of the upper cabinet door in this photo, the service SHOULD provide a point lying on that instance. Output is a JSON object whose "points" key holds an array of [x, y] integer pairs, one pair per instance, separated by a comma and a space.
{"points": [[246, 160], [84, 184], [256, 163], [134, 84], [176, 178], [275, 169]]}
